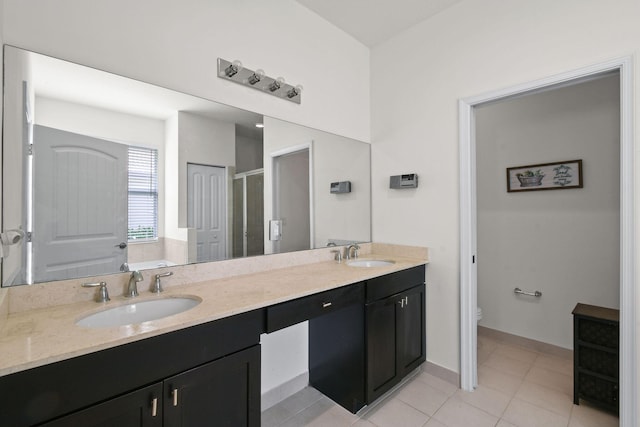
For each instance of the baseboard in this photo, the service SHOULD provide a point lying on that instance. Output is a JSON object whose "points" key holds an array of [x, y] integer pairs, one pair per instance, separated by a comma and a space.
{"points": [[443, 373], [278, 394], [534, 345]]}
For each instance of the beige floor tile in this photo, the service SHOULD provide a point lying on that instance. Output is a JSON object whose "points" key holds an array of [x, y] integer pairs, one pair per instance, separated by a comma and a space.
{"points": [[363, 423], [437, 383], [554, 363], [507, 364], [584, 415], [434, 423], [516, 352], [323, 413], [487, 399], [524, 414], [546, 397], [551, 379], [457, 413], [396, 413], [497, 380], [422, 396], [487, 344], [503, 423]]}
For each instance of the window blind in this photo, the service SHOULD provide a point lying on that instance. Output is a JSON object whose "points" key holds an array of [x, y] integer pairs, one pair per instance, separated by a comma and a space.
{"points": [[143, 194]]}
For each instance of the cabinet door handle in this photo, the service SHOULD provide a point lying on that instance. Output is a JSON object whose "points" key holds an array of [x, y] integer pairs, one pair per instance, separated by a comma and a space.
{"points": [[326, 304], [406, 300], [154, 407], [174, 393], [401, 302]]}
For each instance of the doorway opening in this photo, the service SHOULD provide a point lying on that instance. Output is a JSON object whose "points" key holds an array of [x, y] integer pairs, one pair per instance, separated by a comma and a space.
{"points": [[292, 226], [469, 224]]}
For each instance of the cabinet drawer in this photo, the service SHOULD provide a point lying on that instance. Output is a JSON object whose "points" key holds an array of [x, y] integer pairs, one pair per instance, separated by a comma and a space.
{"points": [[599, 361], [389, 284], [598, 390], [291, 312], [598, 332]]}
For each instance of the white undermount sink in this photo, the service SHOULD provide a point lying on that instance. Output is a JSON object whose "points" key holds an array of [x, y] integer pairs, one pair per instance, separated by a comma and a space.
{"points": [[370, 263], [139, 311]]}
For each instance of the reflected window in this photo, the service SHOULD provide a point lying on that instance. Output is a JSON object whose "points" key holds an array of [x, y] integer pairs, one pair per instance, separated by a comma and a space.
{"points": [[143, 194]]}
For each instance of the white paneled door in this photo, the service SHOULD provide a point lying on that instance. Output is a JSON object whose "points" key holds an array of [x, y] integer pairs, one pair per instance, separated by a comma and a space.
{"points": [[206, 210], [80, 205]]}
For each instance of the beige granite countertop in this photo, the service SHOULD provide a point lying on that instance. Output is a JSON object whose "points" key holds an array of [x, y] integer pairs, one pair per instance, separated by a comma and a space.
{"points": [[40, 336]]}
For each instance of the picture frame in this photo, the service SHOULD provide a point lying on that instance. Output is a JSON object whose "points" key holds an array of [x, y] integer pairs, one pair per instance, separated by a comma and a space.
{"points": [[545, 176]]}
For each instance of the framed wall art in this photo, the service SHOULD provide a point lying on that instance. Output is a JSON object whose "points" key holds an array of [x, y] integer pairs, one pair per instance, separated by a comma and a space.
{"points": [[545, 176]]}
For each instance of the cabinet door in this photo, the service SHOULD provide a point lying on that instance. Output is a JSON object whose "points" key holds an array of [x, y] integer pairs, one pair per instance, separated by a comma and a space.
{"points": [[382, 363], [225, 392], [411, 330], [141, 408]]}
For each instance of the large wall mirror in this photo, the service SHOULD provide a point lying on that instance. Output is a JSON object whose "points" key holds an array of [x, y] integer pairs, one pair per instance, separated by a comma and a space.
{"points": [[102, 174]]}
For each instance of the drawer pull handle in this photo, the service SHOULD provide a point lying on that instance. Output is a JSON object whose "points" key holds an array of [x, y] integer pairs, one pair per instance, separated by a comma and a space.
{"points": [[326, 304], [174, 393], [154, 407]]}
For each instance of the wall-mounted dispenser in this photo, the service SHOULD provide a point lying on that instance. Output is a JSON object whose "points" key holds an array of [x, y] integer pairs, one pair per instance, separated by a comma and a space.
{"points": [[409, 180], [340, 187]]}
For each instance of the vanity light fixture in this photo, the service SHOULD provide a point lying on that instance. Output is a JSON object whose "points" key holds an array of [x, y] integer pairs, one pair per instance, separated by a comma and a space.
{"points": [[235, 72], [260, 125]]}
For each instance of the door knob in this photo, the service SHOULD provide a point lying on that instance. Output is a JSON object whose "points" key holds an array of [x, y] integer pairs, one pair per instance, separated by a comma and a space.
{"points": [[121, 245]]}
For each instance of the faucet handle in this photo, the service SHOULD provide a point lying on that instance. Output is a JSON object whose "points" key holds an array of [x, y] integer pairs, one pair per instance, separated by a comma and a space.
{"points": [[338, 256], [157, 287], [103, 294]]}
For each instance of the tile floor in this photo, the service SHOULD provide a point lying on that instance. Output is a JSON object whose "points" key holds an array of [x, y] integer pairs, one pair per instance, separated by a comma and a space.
{"points": [[517, 387]]}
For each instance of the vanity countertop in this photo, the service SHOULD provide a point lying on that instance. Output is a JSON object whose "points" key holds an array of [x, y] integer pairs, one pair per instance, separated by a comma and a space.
{"points": [[41, 336]]}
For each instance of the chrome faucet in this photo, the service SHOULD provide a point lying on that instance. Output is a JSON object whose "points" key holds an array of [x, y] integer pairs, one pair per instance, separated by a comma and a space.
{"points": [[157, 286], [132, 289], [347, 251]]}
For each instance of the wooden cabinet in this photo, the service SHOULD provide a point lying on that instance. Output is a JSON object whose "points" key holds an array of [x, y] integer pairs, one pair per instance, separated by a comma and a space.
{"points": [[395, 339], [141, 408], [225, 392], [359, 352], [596, 354]]}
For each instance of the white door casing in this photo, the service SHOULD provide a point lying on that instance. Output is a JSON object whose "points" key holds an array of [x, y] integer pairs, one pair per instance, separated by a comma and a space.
{"points": [[468, 229], [80, 205], [206, 210]]}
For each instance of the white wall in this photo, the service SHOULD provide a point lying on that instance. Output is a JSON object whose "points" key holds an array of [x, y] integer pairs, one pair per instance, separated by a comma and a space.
{"points": [[248, 153], [204, 141], [335, 158], [176, 45], [563, 243], [469, 49]]}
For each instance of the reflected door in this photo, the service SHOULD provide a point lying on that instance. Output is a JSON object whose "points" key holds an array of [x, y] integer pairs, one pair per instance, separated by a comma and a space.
{"points": [[206, 210], [80, 205], [291, 198], [248, 214]]}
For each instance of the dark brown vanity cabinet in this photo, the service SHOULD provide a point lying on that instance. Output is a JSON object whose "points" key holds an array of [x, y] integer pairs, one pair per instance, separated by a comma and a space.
{"points": [[218, 393], [203, 375], [358, 353], [395, 331]]}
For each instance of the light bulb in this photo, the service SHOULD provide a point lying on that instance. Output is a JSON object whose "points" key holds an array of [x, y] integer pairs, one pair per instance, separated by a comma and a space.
{"points": [[233, 69], [256, 76], [294, 91], [276, 84]]}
